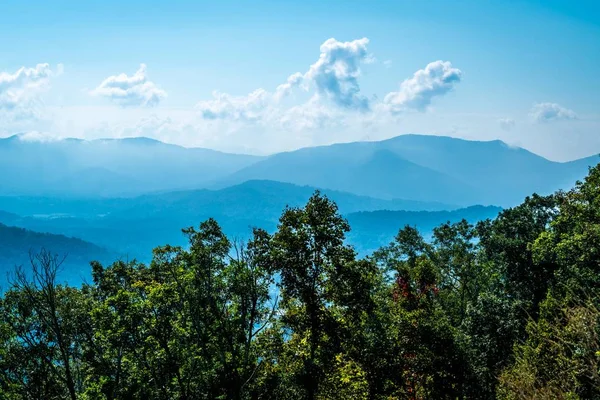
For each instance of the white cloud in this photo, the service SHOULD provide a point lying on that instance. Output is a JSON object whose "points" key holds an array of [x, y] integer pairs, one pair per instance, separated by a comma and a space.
{"points": [[284, 89], [506, 124], [334, 81], [19, 91], [135, 90], [334, 76], [416, 93], [547, 112], [331, 108], [336, 73], [388, 63]]}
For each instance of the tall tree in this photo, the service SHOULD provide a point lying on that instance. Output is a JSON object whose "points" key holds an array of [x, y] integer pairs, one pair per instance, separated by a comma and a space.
{"points": [[308, 253]]}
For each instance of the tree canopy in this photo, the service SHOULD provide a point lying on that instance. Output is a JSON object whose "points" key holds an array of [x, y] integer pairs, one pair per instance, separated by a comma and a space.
{"points": [[503, 309]]}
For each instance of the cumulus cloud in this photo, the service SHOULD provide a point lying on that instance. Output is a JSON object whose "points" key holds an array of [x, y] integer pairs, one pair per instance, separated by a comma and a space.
{"points": [[284, 89], [20, 90], [135, 90], [333, 80], [506, 124], [336, 73], [416, 93], [334, 76], [547, 112]]}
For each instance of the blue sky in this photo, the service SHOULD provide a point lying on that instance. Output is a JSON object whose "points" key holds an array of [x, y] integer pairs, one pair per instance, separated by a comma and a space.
{"points": [[526, 72]]}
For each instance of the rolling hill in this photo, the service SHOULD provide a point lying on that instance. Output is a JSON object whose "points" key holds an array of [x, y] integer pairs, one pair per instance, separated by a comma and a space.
{"points": [[133, 226], [17, 243]]}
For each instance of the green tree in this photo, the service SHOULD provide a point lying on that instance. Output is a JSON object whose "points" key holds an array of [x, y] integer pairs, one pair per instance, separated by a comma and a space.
{"points": [[308, 254], [41, 339]]}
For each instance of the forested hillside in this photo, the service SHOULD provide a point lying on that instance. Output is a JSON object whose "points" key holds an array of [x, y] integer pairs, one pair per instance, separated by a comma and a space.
{"points": [[132, 227], [17, 244], [503, 309]]}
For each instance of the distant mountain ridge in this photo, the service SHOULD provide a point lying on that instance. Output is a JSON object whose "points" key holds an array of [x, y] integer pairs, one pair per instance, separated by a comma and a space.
{"points": [[424, 168], [108, 167], [132, 227], [411, 167], [127, 225]]}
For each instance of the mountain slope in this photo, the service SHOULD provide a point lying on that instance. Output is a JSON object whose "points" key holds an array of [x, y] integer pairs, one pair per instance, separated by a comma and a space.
{"points": [[503, 173], [411, 167], [133, 226], [424, 168], [111, 167], [17, 243], [360, 169]]}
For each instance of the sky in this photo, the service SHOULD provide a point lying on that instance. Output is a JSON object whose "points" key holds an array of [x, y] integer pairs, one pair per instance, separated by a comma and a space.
{"points": [[267, 76]]}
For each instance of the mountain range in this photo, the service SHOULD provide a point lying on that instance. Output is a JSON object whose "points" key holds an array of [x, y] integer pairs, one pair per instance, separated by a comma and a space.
{"points": [[120, 198], [108, 167], [131, 227], [423, 168], [410, 167]]}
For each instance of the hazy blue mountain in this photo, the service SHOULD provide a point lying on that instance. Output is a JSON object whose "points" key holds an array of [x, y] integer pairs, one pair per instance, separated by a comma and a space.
{"points": [[16, 244], [132, 226], [424, 168], [372, 229], [136, 236], [108, 167], [412, 167], [502, 173], [251, 198], [358, 168]]}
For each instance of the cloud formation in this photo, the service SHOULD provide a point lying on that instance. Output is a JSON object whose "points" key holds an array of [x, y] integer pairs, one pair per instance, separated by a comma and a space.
{"points": [[285, 89], [20, 89], [135, 90], [334, 76], [548, 112], [336, 73], [506, 124], [416, 93], [335, 95], [37, 136]]}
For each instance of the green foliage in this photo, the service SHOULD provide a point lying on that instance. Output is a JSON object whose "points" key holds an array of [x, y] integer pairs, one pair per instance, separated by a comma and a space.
{"points": [[560, 358], [507, 308]]}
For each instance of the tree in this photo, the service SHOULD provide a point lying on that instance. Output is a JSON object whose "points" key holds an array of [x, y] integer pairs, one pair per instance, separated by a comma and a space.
{"points": [[40, 332], [561, 357], [308, 253], [507, 243]]}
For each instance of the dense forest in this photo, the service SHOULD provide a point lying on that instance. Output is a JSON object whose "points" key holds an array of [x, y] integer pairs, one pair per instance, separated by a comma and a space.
{"points": [[506, 308]]}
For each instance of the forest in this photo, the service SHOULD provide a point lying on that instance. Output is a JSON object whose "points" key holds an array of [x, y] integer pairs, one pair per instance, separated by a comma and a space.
{"points": [[502, 309]]}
